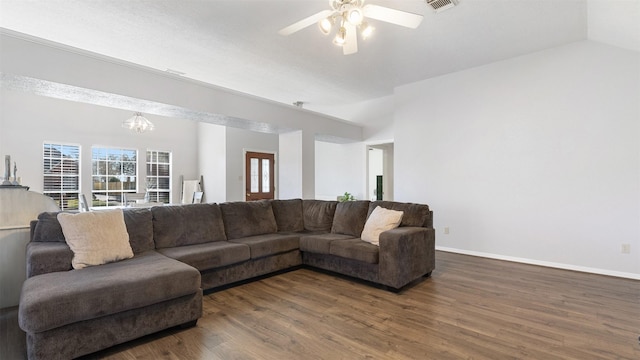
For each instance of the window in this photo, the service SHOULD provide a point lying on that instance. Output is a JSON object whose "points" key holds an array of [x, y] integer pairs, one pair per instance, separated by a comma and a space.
{"points": [[114, 173], [159, 176], [61, 174]]}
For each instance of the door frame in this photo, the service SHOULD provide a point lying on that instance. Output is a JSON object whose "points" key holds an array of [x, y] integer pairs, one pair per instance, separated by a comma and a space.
{"points": [[244, 170], [387, 148]]}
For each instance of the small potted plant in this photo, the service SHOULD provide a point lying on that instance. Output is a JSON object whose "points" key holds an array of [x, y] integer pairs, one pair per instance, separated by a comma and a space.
{"points": [[346, 197]]}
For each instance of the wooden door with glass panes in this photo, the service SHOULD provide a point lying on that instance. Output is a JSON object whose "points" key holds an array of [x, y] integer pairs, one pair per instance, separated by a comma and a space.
{"points": [[259, 176]]}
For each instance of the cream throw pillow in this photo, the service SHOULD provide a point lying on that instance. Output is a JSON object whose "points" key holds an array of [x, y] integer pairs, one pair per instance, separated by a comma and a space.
{"points": [[380, 220], [96, 237]]}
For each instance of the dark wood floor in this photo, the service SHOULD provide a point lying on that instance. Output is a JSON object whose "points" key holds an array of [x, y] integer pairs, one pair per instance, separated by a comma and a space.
{"points": [[471, 308]]}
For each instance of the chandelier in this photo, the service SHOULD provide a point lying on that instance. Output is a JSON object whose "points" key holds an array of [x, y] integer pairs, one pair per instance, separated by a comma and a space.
{"points": [[138, 123]]}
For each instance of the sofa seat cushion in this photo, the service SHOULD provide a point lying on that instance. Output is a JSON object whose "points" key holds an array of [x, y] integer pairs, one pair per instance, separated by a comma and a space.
{"points": [[305, 232], [269, 244], [355, 249], [55, 299], [210, 255], [319, 244]]}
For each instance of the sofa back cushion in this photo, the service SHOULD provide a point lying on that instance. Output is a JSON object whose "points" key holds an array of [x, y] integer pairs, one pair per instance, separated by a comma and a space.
{"points": [[138, 222], [318, 214], [48, 228], [288, 214], [350, 217], [414, 214], [191, 224], [242, 219]]}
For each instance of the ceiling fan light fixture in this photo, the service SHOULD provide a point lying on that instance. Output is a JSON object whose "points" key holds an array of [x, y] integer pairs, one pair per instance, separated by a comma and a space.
{"points": [[355, 16], [350, 18], [341, 37], [366, 30], [325, 25]]}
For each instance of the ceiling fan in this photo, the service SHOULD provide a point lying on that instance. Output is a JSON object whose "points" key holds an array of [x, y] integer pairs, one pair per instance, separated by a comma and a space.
{"points": [[350, 15]]}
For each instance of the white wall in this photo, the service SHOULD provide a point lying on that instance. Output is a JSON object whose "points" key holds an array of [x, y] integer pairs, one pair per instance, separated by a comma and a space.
{"points": [[29, 120], [536, 158], [340, 168], [615, 22], [212, 161], [376, 166], [238, 141], [290, 184], [388, 161], [374, 115]]}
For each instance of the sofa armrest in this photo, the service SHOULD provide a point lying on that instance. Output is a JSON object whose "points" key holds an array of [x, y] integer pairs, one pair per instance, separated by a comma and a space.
{"points": [[406, 254], [46, 257]]}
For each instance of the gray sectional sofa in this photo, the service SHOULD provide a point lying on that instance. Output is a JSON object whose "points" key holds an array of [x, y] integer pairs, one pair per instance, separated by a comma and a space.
{"points": [[181, 250]]}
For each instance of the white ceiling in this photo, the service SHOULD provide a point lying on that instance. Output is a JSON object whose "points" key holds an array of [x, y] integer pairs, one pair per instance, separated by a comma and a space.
{"points": [[235, 44]]}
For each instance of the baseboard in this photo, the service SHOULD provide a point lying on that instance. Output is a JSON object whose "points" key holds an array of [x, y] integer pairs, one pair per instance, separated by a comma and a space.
{"points": [[542, 263]]}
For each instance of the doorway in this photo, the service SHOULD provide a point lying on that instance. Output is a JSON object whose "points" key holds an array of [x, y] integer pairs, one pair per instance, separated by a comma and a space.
{"points": [[380, 172], [259, 176]]}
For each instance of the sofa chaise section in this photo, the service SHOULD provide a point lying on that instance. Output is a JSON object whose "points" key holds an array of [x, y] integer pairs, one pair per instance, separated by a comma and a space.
{"points": [[69, 313], [137, 296]]}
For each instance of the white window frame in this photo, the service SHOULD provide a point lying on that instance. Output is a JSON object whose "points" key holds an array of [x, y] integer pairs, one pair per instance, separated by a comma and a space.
{"points": [[104, 197], [152, 190], [67, 199]]}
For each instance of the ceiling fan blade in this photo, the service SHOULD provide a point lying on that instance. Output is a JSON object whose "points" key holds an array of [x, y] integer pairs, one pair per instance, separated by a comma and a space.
{"points": [[305, 22], [392, 16], [351, 40]]}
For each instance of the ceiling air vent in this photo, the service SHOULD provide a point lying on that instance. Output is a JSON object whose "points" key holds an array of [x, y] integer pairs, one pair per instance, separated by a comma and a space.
{"points": [[441, 5]]}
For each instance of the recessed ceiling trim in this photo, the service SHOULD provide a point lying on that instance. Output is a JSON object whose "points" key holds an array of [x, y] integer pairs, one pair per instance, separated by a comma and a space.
{"points": [[101, 98]]}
